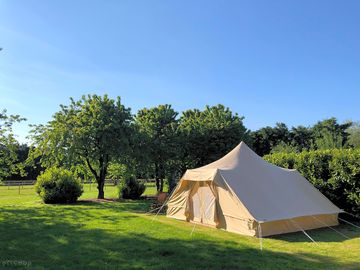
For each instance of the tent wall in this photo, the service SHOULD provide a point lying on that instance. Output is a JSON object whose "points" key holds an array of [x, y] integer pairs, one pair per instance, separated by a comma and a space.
{"points": [[179, 202], [233, 215], [296, 224]]}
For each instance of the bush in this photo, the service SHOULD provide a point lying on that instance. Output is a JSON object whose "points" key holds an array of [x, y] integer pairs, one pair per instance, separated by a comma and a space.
{"points": [[57, 185], [336, 173], [130, 188]]}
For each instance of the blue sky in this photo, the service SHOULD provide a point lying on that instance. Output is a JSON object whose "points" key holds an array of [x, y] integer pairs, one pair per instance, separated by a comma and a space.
{"points": [[271, 61]]}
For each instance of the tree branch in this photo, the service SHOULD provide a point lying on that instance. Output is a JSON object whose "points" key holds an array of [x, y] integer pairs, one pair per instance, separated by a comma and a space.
{"points": [[91, 168]]}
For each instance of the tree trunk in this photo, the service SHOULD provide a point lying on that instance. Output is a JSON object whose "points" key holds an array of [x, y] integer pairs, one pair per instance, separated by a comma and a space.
{"points": [[172, 183], [157, 184], [157, 179], [161, 185], [102, 175], [100, 188], [100, 178]]}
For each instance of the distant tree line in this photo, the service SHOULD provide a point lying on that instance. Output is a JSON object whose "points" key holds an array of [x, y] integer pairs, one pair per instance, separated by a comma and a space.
{"points": [[98, 137], [326, 134]]}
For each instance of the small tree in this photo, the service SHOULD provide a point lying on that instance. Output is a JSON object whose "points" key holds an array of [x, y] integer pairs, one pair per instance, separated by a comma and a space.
{"points": [[131, 188]]}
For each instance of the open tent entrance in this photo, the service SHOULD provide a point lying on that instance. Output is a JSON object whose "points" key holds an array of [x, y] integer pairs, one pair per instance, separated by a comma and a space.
{"points": [[203, 204]]}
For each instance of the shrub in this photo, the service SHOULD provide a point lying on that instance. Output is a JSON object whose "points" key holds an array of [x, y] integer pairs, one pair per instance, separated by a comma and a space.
{"points": [[336, 173], [130, 188], [57, 185]]}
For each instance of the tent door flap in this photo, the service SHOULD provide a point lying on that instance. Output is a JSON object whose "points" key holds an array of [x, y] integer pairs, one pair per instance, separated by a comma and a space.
{"points": [[203, 205]]}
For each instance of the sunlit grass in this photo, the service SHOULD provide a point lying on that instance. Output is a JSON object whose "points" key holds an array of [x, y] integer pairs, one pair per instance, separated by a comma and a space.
{"points": [[120, 235]]}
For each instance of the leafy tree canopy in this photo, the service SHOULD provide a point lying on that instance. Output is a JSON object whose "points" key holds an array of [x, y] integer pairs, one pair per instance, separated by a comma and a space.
{"points": [[9, 146], [157, 127], [93, 131], [330, 134], [326, 134], [209, 134], [354, 135]]}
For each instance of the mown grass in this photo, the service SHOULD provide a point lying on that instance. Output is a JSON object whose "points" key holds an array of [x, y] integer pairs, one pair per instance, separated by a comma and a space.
{"points": [[120, 235]]}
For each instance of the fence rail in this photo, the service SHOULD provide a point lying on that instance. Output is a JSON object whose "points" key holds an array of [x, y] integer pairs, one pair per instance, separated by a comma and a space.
{"points": [[19, 183]]}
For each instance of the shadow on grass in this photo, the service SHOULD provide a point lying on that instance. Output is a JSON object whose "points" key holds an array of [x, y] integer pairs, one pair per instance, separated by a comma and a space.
{"points": [[58, 237], [343, 232]]}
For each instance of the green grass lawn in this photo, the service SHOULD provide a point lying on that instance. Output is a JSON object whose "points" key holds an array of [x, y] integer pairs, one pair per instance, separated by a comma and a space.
{"points": [[119, 235]]}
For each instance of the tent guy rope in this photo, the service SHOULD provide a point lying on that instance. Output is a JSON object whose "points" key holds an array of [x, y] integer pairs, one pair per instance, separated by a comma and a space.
{"points": [[331, 228], [293, 222]]}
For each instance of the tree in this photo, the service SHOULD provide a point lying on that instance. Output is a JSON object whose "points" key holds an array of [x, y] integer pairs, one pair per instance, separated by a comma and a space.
{"points": [[326, 134], [284, 148], [208, 135], [329, 134], [302, 138], [354, 135], [91, 131], [265, 139], [328, 140], [157, 128], [9, 146], [28, 171]]}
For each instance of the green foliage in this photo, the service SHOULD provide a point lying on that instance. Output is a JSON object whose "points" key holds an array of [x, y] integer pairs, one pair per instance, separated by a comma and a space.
{"points": [[157, 127], [336, 173], [326, 134], [131, 188], [91, 131], [57, 185], [330, 134], [265, 139], [9, 146], [354, 135], [302, 138], [82, 171], [118, 171], [328, 140], [284, 148], [28, 171], [208, 135]]}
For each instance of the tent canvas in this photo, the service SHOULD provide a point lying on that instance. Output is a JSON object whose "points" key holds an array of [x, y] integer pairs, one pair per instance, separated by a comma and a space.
{"points": [[245, 194]]}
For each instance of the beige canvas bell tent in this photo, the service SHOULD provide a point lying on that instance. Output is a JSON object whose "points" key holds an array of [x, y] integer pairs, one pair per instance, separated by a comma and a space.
{"points": [[243, 193]]}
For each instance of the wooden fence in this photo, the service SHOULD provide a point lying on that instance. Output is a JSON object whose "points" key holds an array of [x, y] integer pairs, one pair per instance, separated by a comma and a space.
{"points": [[20, 184]]}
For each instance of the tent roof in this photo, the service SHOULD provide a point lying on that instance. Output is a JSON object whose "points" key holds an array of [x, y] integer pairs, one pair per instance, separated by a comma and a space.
{"points": [[267, 191]]}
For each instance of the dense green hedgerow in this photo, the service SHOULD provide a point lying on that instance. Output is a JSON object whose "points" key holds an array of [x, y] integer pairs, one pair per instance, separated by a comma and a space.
{"points": [[131, 188], [336, 173], [58, 185]]}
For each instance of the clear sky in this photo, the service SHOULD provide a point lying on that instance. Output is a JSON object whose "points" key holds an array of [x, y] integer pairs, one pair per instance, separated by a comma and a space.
{"points": [[271, 61]]}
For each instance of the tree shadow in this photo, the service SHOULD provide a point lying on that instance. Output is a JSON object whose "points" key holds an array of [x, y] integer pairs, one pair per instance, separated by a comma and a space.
{"points": [[51, 237]]}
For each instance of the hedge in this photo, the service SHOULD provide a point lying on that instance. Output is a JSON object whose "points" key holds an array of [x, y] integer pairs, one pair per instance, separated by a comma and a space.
{"points": [[336, 173]]}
